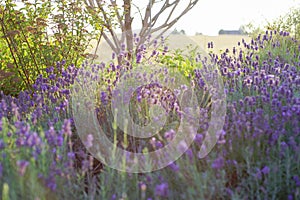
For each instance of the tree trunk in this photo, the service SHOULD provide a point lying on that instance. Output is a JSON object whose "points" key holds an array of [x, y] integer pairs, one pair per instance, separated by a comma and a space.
{"points": [[128, 28]]}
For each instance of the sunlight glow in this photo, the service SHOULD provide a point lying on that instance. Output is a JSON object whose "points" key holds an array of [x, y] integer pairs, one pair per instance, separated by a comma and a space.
{"points": [[209, 16]]}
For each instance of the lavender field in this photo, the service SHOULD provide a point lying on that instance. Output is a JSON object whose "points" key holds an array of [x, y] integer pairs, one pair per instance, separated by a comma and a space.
{"points": [[47, 147]]}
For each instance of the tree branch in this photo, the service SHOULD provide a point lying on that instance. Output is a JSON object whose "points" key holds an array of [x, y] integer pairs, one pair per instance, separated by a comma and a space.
{"points": [[110, 43], [120, 20], [108, 25], [168, 25], [124, 20]]}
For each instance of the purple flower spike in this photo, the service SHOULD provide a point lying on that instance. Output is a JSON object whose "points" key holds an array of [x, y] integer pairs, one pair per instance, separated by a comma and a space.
{"points": [[33, 140], [166, 49], [265, 170], [2, 144], [154, 52], [218, 163], [139, 58], [114, 197], [190, 154], [297, 180], [174, 167], [67, 127], [162, 190], [159, 145], [123, 46], [169, 135], [198, 139], [89, 141], [22, 164], [104, 98]]}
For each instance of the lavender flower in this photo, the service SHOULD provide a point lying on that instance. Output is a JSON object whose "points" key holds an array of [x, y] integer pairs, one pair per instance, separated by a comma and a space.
{"points": [[114, 197], [165, 49], [290, 197], [22, 164], [169, 135], [297, 180], [89, 141], [218, 163], [33, 140], [2, 144], [265, 170], [174, 167], [139, 58], [162, 190], [198, 139], [104, 98], [67, 127]]}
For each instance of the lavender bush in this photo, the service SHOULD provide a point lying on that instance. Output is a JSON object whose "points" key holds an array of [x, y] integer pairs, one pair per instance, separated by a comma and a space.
{"points": [[255, 157]]}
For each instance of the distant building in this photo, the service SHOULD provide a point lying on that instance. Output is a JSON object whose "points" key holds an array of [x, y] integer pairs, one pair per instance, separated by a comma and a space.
{"points": [[230, 32]]}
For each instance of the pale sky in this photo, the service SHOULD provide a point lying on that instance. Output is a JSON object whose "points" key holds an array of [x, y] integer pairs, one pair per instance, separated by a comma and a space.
{"points": [[209, 16]]}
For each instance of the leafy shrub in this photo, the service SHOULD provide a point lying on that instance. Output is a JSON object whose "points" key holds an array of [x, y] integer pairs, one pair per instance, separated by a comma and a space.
{"points": [[289, 22], [37, 35]]}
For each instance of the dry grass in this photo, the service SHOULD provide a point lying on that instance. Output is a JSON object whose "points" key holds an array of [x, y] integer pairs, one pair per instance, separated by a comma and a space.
{"points": [[220, 42]]}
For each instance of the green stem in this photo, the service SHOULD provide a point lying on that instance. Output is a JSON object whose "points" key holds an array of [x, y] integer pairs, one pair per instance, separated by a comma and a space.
{"points": [[30, 51], [27, 81]]}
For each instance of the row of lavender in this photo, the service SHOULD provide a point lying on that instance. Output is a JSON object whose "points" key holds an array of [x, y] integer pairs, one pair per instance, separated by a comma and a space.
{"points": [[256, 153]]}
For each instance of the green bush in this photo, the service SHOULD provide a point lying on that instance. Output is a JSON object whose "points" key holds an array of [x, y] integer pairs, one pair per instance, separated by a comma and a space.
{"points": [[38, 35], [289, 22]]}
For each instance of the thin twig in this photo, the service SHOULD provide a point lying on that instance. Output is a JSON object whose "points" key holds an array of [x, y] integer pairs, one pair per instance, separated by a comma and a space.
{"points": [[98, 42]]}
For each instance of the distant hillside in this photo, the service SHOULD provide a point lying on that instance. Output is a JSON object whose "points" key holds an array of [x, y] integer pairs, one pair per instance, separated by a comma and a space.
{"points": [[230, 32], [220, 44]]}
